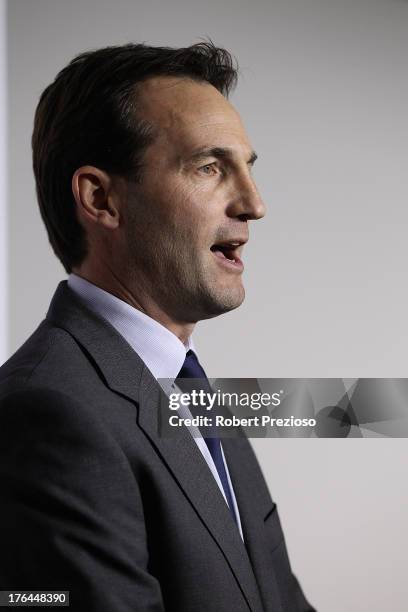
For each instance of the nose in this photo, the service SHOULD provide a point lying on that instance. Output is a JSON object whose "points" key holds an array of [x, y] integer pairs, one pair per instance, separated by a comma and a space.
{"points": [[246, 202]]}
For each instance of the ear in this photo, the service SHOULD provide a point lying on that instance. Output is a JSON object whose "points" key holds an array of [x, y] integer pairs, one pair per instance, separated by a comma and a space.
{"points": [[96, 199]]}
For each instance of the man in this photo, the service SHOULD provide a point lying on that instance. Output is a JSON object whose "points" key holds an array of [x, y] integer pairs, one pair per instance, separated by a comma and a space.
{"points": [[143, 173]]}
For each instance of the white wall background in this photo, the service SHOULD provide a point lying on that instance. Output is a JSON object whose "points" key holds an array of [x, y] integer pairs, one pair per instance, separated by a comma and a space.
{"points": [[324, 93], [3, 186]]}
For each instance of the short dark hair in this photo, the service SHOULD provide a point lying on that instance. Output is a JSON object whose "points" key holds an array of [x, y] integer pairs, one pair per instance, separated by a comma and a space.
{"points": [[88, 116]]}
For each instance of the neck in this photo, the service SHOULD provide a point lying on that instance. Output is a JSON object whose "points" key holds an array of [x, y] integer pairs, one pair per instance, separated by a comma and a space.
{"points": [[138, 299]]}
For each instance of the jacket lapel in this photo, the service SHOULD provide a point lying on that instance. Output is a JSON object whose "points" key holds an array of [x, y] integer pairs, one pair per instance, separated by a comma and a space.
{"points": [[125, 373]]}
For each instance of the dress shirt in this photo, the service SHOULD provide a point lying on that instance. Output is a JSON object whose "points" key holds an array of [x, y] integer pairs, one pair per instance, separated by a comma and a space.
{"points": [[160, 349]]}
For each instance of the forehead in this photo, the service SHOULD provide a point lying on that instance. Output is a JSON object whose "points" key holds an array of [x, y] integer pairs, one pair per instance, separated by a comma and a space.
{"points": [[191, 114]]}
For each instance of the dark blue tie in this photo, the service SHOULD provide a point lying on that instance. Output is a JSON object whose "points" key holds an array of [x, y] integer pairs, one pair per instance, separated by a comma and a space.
{"points": [[192, 369]]}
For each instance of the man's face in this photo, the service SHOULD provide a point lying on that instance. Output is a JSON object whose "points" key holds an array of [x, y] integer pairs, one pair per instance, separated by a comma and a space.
{"points": [[187, 221]]}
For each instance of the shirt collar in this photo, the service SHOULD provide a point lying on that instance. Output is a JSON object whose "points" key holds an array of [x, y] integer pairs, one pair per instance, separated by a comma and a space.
{"points": [[160, 349]]}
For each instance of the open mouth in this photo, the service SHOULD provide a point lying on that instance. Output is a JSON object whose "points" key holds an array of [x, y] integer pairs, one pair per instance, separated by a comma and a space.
{"points": [[229, 252]]}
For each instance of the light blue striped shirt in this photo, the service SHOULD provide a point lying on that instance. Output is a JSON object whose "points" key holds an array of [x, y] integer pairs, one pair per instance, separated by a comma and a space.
{"points": [[160, 349]]}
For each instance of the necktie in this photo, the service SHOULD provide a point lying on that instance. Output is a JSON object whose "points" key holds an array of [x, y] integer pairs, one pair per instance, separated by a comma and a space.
{"points": [[193, 369]]}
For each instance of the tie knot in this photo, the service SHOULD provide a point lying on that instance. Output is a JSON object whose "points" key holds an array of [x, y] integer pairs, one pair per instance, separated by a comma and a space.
{"points": [[191, 367]]}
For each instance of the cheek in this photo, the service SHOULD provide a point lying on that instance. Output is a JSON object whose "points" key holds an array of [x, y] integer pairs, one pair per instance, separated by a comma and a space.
{"points": [[183, 212], [187, 210]]}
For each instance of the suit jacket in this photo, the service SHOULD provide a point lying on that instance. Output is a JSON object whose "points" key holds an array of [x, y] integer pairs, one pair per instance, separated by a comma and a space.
{"points": [[95, 501]]}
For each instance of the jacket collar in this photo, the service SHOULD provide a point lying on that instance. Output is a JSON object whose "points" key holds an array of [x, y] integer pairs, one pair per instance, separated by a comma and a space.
{"points": [[158, 347]]}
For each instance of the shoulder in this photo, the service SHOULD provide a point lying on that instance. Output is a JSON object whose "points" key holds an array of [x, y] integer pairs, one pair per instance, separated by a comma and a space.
{"points": [[49, 346], [42, 399], [50, 368], [52, 393]]}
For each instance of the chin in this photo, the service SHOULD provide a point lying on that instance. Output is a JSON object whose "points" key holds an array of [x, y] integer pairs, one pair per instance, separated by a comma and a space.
{"points": [[222, 302]]}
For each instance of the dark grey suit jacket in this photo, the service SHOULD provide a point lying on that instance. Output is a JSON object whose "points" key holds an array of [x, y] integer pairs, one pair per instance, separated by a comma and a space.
{"points": [[94, 501]]}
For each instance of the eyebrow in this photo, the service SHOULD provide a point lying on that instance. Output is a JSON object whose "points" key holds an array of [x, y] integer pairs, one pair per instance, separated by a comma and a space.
{"points": [[220, 153]]}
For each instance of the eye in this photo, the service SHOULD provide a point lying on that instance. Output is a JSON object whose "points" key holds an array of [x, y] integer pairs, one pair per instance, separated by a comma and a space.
{"points": [[209, 169]]}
